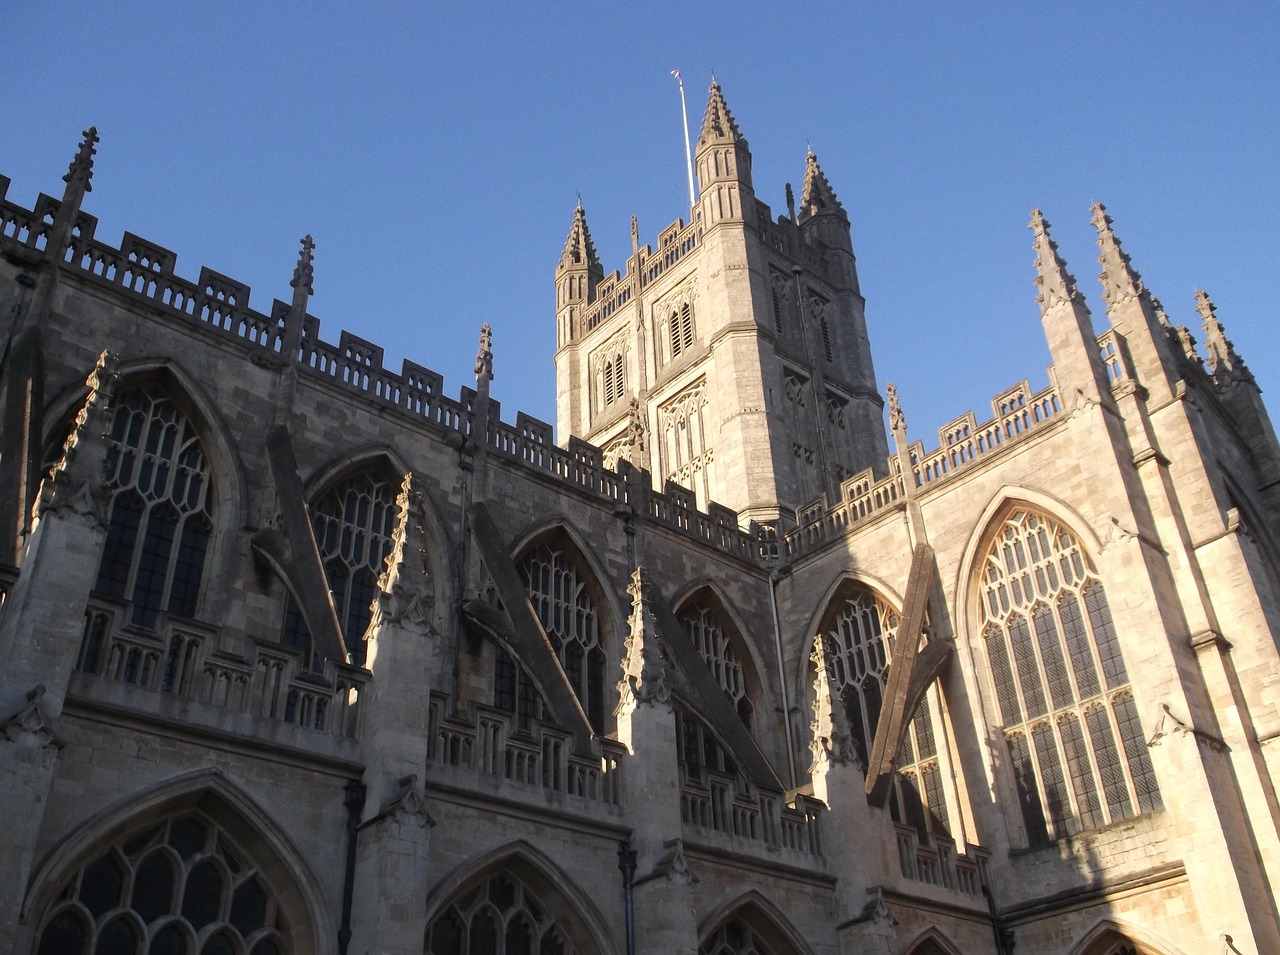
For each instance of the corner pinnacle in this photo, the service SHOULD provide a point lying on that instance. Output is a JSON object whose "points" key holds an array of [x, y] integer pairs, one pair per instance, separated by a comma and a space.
{"points": [[1056, 284], [1120, 280], [81, 169], [1224, 360]]}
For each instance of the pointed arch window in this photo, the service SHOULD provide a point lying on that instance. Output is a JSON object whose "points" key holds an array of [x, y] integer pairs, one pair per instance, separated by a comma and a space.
{"points": [[615, 383], [860, 636], [565, 607], [183, 886], [354, 524], [1075, 743], [714, 640], [160, 516], [747, 932], [501, 916]]}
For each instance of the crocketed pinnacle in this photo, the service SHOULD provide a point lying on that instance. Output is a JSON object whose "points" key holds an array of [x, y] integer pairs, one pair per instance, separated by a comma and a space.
{"points": [[303, 272], [579, 250], [1120, 280], [1224, 361], [817, 195], [1056, 284], [718, 123], [80, 173], [484, 355]]}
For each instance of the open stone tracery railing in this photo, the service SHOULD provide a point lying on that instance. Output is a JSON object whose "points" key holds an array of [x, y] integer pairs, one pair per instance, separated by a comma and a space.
{"points": [[177, 658], [144, 270], [725, 803], [540, 756], [1017, 411], [939, 864]]}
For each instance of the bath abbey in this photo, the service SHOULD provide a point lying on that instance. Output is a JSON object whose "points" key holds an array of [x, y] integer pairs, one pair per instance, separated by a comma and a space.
{"points": [[301, 652]]}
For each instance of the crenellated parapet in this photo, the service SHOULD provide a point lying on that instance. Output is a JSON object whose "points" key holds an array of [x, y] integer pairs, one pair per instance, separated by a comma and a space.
{"points": [[219, 306]]}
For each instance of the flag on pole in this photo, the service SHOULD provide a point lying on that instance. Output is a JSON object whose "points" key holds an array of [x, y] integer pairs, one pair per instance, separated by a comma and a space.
{"points": [[684, 122]]}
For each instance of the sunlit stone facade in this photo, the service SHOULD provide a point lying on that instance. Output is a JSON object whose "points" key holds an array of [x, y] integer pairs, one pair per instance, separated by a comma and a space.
{"points": [[301, 654]]}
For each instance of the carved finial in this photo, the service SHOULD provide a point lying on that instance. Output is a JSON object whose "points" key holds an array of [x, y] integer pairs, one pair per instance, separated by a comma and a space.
{"points": [[1055, 283], [832, 741], [897, 420], [1120, 280], [81, 170], [644, 674], [484, 357], [1224, 362], [635, 228], [791, 203], [303, 272]]}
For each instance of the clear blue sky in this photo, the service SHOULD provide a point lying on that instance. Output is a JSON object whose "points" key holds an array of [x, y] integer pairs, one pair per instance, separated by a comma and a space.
{"points": [[436, 150]]}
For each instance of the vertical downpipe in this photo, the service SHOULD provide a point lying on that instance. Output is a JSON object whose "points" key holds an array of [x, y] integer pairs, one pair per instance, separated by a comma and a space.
{"points": [[353, 799], [627, 865], [782, 677]]}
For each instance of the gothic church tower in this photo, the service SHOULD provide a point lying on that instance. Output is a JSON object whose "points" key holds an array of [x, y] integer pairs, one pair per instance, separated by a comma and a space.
{"points": [[733, 359]]}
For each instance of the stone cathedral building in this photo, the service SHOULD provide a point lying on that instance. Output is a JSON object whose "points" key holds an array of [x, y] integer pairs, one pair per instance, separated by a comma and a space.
{"points": [[301, 654]]}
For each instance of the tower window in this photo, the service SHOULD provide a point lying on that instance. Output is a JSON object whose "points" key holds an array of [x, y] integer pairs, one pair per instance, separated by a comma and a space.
{"points": [[681, 330], [826, 340]]}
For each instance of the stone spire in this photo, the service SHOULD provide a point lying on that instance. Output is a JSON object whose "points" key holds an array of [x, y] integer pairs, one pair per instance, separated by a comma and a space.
{"points": [[831, 740], [817, 196], [1068, 326], [484, 355], [718, 123], [1120, 280], [303, 276], [723, 161], [644, 674], [1057, 286], [1224, 361], [579, 250], [80, 175], [1156, 359]]}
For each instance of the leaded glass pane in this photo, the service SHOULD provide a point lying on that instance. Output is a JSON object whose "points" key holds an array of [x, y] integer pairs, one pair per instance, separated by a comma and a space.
{"points": [[63, 936], [1055, 667], [1059, 673], [1114, 786], [159, 525], [564, 606], [1050, 769], [1083, 784], [102, 885]]}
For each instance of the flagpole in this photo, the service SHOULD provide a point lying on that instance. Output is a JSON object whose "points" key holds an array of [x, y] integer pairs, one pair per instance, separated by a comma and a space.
{"points": [[688, 153]]}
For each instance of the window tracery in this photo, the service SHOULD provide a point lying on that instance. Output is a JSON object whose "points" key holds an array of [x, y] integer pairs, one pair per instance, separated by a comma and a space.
{"points": [[746, 933], [686, 458], [1076, 747], [715, 644], [160, 516], [179, 888], [862, 635], [354, 524], [563, 603], [501, 916]]}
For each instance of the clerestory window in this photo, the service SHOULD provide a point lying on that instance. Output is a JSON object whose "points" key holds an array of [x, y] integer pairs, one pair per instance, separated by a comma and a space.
{"points": [[860, 637], [563, 603], [714, 641], [1067, 712], [354, 525], [160, 515]]}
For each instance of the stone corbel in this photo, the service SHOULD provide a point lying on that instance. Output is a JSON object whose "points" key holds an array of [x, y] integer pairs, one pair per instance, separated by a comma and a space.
{"points": [[1168, 724], [409, 803], [673, 866], [31, 724]]}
